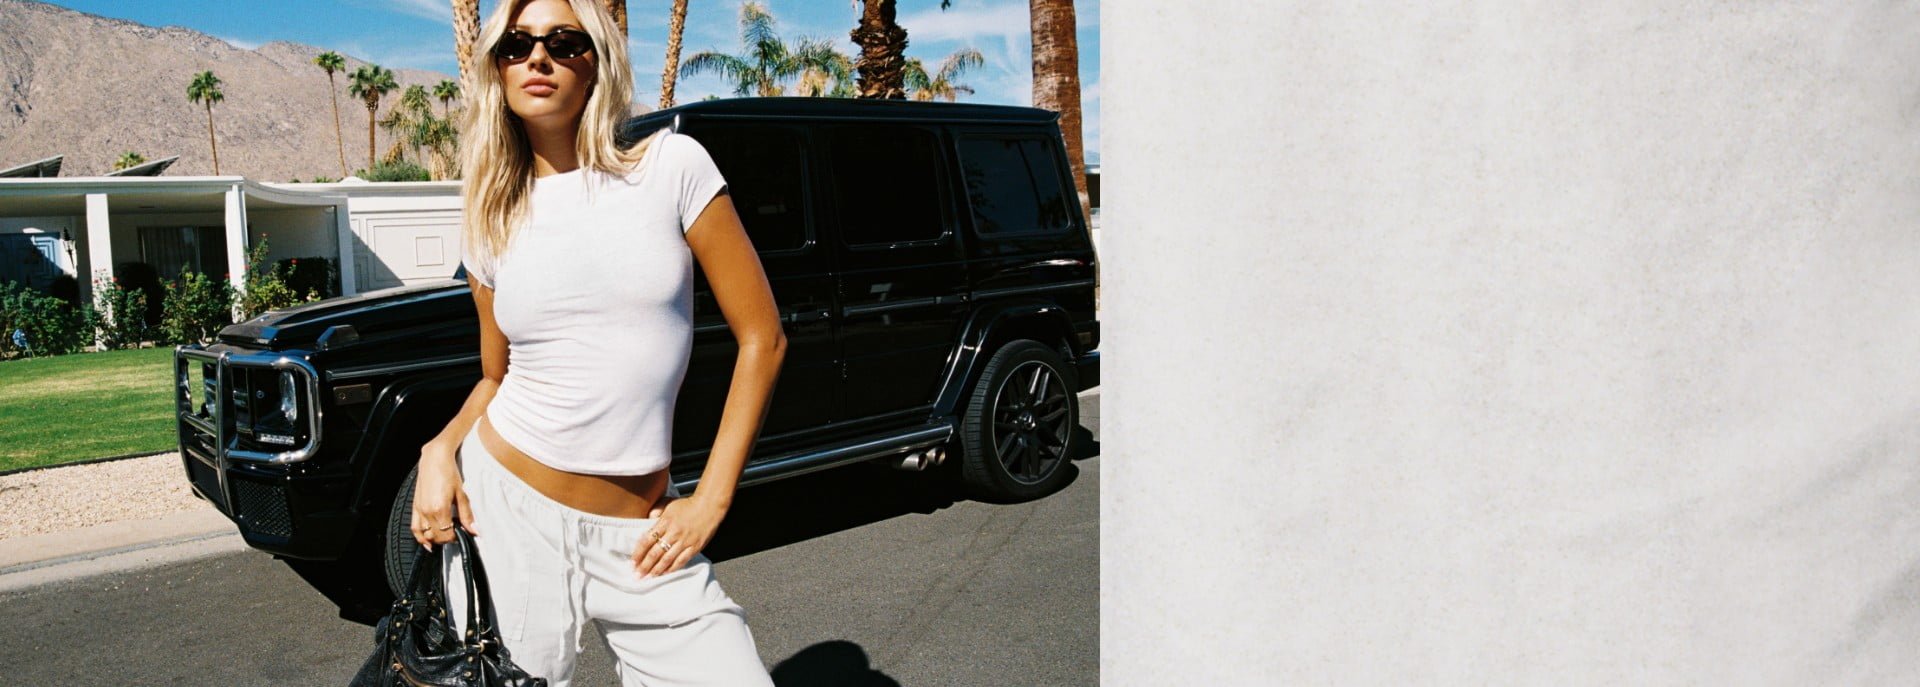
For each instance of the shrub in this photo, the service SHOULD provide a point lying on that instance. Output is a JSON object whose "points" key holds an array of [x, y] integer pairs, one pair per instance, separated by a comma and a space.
{"points": [[196, 307], [400, 170], [122, 313], [142, 276], [266, 287], [312, 276], [36, 324]]}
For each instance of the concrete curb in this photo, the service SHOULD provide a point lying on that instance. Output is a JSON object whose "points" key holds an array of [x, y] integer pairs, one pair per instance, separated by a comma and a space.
{"points": [[41, 558]]}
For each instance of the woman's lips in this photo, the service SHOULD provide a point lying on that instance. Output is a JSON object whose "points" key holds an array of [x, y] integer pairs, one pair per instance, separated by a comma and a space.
{"points": [[537, 89]]}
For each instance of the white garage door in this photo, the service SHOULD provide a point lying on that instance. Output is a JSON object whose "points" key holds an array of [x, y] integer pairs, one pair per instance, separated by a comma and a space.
{"points": [[407, 248]]}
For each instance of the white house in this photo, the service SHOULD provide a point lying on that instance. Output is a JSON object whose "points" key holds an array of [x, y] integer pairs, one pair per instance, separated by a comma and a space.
{"points": [[392, 233]]}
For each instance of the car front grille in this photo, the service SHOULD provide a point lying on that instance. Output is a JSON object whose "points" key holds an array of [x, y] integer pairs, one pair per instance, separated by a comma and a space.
{"points": [[261, 508]]}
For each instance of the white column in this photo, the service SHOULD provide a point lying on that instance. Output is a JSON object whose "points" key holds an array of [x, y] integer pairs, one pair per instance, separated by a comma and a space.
{"points": [[236, 240], [349, 270], [99, 246]]}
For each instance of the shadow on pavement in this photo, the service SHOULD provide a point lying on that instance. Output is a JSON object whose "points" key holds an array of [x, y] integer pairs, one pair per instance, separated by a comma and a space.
{"points": [[764, 517], [360, 594], [796, 509], [838, 663]]}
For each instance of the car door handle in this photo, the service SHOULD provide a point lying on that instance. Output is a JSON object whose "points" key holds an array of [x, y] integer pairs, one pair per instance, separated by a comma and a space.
{"points": [[810, 316]]}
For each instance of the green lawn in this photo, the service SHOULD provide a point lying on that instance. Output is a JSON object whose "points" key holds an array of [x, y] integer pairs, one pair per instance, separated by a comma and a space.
{"points": [[65, 408]]}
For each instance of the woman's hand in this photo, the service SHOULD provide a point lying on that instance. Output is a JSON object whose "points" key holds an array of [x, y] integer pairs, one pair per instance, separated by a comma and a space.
{"points": [[682, 527], [437, 495]]}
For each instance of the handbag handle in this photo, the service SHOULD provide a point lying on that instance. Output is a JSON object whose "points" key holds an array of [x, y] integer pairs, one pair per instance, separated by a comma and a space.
{"points": [[425, 583]]}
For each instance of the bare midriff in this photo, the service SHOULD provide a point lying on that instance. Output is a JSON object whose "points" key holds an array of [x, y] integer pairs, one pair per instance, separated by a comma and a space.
{"points": [[620, 496]]}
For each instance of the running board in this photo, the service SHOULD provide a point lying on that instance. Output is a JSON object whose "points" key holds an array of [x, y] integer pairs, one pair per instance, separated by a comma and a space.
{"points": [[794, 463]]}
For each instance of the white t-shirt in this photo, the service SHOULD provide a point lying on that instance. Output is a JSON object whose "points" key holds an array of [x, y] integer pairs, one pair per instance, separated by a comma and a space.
{"points": [[595, 297]]}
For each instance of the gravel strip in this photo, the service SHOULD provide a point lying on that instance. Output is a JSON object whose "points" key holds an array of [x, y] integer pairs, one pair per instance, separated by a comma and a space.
{"points": [[77, 496]]}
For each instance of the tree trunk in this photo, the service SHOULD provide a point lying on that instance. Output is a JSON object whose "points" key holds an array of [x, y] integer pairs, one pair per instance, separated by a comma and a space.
{"points": [[883, 50], [339, 138], [1056, 80], [618, 8], [466, 30], [210, 140], [371, 160], [676, 24]]}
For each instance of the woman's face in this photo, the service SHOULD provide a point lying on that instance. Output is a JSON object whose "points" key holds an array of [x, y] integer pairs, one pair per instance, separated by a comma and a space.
{"points": [[540, 87]]}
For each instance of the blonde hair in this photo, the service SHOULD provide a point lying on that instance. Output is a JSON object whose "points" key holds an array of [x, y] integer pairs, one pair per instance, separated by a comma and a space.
{"points": [[496, 161]]}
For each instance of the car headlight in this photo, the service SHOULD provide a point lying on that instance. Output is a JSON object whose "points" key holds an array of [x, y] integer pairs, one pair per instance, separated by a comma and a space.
{"points": [[289, 405]]}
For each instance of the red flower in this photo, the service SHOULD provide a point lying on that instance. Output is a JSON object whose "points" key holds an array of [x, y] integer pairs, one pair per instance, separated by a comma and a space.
{"points": [[296, 261]]}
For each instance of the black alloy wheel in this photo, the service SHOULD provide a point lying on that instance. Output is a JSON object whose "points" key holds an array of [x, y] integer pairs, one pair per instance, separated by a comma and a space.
{"points": [[1020, 422]]}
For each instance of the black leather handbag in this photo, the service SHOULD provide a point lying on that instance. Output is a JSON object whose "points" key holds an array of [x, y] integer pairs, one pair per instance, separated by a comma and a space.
{"points": [[416, 644]]}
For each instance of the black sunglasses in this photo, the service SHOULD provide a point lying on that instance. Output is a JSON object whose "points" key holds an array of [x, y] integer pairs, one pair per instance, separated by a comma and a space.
{"points": [[561, 44]]}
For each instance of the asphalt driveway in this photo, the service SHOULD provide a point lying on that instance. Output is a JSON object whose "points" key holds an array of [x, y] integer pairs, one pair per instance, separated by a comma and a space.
{"points": [[854, 576]]}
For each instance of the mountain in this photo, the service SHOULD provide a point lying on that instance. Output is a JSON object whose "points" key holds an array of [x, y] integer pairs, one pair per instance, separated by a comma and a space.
{"points": [[91, 87]]}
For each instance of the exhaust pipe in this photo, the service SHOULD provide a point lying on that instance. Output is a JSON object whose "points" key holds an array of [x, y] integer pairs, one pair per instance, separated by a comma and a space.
{"points": [[917, 461]]}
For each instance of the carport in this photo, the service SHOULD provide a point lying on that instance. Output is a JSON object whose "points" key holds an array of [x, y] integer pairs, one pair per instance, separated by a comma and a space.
{"points": [[90, 227]]}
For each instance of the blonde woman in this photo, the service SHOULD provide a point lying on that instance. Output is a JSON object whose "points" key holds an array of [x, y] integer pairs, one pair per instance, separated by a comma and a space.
{"points": [[579, 254]]}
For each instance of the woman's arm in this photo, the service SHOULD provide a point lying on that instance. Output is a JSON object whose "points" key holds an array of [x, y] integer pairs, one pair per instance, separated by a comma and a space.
{"points": [[437, 490], [719, 241]]}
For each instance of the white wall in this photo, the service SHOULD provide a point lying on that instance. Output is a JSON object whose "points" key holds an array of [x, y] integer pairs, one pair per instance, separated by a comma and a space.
{"points": [[1547, 343], [295, 232], [404, 240]]}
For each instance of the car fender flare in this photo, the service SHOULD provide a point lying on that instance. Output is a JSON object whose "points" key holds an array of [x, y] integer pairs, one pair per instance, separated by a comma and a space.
{"points": [[414, 408], [1032, 318]]}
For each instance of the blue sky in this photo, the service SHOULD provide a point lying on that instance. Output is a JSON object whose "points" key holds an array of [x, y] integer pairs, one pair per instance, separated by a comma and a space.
{"points": [[418, 34]]}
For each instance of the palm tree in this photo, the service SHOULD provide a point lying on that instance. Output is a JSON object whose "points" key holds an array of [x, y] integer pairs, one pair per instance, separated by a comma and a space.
{"points": [[768, 61], [1056, 79], [466, 30], [441, 137], [369, 83], [445, 91], [676, 25], [832, 77], [128, 159], [333, 62], [882, 44], [883, 48], [409, 117], [618, 8], [205, 88], [940, 84]]}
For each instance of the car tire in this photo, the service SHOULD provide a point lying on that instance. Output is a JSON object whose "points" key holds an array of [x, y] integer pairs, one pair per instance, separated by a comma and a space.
{"points": [[401, 549], [1017, 434]]}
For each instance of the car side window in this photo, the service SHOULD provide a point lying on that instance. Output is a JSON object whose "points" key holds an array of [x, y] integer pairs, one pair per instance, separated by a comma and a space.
{"points": [[1013, 185], [766, 174], [886, 184]]}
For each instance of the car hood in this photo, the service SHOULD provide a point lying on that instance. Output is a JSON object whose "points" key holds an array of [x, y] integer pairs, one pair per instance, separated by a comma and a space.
{"points": [[378, 314]]}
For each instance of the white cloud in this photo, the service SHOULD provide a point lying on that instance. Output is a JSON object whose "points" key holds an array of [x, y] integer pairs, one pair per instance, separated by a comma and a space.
{"points": [[412, 56], [240, 43], [966, 24], [437, 10]]}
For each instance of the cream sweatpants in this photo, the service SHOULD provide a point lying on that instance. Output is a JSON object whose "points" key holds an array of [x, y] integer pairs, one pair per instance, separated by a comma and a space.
{"points": [[554, 570]]}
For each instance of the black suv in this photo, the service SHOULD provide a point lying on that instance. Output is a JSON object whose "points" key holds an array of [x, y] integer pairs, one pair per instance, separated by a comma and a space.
{"points": [[930, 260]]}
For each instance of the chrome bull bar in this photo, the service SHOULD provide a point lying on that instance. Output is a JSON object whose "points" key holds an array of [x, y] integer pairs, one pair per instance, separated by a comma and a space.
{"points": [[225, 441]]}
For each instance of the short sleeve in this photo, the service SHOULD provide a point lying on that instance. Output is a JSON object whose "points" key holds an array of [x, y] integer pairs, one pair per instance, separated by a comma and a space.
{"points": [[696, 177], [479, 267]]}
